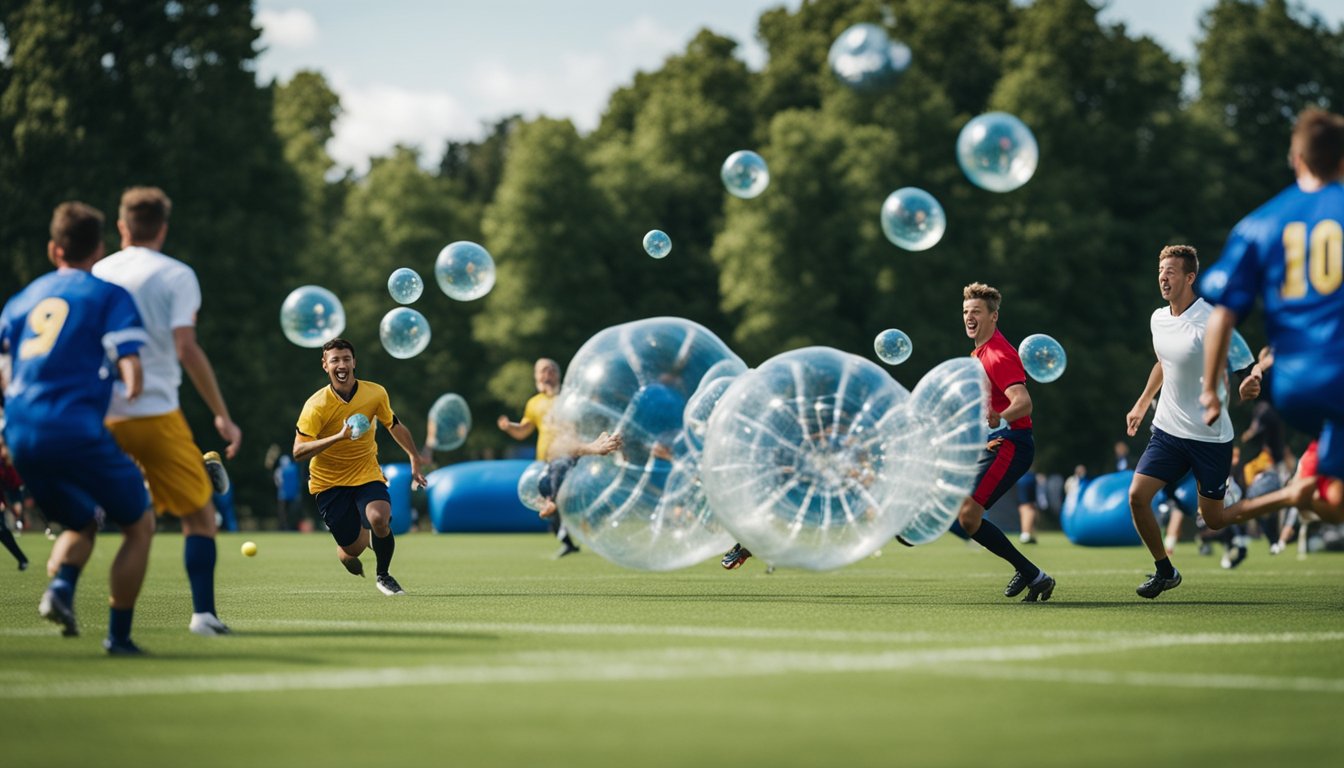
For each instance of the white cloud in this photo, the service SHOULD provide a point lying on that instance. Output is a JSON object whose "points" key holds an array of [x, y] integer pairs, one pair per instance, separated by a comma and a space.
{"points": [[289, 28], [378, 116]]}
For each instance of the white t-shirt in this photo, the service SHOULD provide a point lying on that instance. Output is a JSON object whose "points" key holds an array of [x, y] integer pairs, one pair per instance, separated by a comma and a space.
{"points": [[1179, 344], [168, 296]]}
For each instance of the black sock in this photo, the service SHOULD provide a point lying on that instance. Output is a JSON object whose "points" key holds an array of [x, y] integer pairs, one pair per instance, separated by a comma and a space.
{"points": [[553, 525], [1164, 568], [7, 538], [990, 537], [382, 551]]}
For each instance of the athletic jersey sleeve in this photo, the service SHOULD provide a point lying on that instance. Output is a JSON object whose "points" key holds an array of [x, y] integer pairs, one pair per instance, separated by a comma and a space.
{"points": [[530, 415], [1235, 281], [383, 410], [1004, 369], [311, 419], [185, 291], [123, 333]]}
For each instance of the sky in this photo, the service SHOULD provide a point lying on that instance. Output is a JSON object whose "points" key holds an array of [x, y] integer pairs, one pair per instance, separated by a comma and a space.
{"points": [[421, 72]]}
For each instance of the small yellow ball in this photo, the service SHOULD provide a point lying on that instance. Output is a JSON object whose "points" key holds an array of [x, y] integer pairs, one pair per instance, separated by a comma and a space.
{"points": [[249, 548]]}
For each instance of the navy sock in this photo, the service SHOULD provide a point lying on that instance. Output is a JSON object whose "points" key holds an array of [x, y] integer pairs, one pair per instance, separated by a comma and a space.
{"points": [[67, 577], [382, 550], [199, 554], [119, 624], [990, 537], [7, 538], [1164, 568]]}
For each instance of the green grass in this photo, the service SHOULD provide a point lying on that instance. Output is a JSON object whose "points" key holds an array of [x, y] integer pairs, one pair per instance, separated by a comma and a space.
{"points": [[501, 656]]}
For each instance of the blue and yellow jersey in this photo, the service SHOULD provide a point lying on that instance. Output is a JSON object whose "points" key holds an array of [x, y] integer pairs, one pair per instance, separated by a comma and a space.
{"points": [[348, 463]]}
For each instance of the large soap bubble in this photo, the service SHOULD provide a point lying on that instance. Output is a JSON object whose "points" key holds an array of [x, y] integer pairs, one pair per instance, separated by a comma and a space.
{"points": [[794, 462], [913, 219], [745, 174], [1042, 357], [311, 316], [404, 332], [997, 152], [657, 244], [1239, 353], [863, 57], [893, 347], [529, 488], [934, 445], [450, 420], [405, 285], [642, 507], [465, 271], [359, 425]]}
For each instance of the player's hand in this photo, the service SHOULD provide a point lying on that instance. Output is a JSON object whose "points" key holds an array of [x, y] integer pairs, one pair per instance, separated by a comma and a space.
{"points": [[1212, 407], [1250, 386], [418, 475], [1133, 420], [994, 418], [502, 422], [993, 445], [548, 510], [609, 443], [231, 433]]}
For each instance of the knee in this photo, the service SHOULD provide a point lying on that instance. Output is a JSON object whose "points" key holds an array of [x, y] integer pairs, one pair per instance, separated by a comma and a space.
{"points": [[1139, 502], [201, 522]]}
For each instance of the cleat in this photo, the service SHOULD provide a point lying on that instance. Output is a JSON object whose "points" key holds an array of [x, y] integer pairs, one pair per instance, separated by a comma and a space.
{"points": [[736, 557], [55, 609], [353, 565], [1276, 548], [1156, 585], [1041, 590], [1234, 557], [121, 647], [904, 542], [1015, 585], [23, 565], [565, 549], [219, 476], [388, 585], [1026, 538], [208, 625]]}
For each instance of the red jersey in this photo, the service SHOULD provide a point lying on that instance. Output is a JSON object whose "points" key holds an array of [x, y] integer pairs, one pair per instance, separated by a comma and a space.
{"points": [[1004, 367]]}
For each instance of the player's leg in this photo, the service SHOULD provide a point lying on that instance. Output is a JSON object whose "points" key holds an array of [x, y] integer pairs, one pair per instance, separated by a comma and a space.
{"points": [[7, 538], [1026, 517], [1328, 502], [999, 471], [377, 509], [336, 507], [1142, 489], [125, 579]]}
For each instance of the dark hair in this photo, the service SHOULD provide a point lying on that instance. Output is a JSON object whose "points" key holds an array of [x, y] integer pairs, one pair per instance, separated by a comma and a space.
{"points": [[1187, 254], [144, 210], [77, 229], [337, 343], [1319, 138]]}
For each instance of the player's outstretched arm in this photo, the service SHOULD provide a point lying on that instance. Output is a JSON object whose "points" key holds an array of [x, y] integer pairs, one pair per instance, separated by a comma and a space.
{"points": [[518, 430], [307, 447], [404, 439], [1134, 419], [1217, 338], [132, 375], [202, 375]]}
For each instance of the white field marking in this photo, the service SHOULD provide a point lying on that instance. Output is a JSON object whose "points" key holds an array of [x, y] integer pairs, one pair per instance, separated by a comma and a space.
{"points": [[666, 664], [1150, 679]]}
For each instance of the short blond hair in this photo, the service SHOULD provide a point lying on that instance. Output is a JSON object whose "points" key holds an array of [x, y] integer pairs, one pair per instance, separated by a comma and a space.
{"points": [[1188, 256], [986, 293]]}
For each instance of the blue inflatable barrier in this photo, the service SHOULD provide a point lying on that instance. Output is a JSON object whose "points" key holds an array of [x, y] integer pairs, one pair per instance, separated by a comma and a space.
{"points": [[480, 497], [399, 489], [1097, 514]]}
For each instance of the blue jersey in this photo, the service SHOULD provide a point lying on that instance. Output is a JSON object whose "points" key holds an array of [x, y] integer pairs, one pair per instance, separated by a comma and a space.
{"points": [[62, 334]]}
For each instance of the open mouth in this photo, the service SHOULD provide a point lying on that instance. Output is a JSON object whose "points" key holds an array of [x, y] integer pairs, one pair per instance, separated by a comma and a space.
{"points": [[342, 376]]}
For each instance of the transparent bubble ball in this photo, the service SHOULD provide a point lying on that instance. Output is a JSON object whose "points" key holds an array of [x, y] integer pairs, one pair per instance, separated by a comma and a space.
{"points": [[405, 285], [1239, 353], [529, 485], [1042, 357], [865, 58], [311, 316], [913, 219], [465, 271], [643, 506], [657, 244], [893, 347], [745, 174], [404, 333], [997, 152], [359, 425], [451, 419]]}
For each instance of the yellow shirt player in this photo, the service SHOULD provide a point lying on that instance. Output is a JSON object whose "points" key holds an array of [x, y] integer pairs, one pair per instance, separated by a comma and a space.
{"points": [[546, 375], [345, 476]]}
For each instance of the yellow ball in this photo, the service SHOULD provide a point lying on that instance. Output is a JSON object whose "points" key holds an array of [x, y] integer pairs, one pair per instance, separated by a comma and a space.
{"points": [[249, 548]]}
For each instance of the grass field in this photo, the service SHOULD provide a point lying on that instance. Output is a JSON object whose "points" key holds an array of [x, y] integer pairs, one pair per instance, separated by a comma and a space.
{"points": [[501, 656]]}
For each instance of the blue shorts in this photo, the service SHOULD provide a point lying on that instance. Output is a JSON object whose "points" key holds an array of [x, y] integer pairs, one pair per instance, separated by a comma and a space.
{"points": [[1168, 458], [73, 482], [1307, 395], [342, 508], [1000, 469]]}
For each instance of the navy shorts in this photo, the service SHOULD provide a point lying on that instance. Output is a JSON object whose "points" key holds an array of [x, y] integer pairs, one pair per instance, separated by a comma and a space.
{"points": [[1000, 469], [72, 482], [1168, 458], [342, 508]]}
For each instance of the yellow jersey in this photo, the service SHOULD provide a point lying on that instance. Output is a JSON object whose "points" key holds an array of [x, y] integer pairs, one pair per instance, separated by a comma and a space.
{"points": [[348, 463], [535, 412]]}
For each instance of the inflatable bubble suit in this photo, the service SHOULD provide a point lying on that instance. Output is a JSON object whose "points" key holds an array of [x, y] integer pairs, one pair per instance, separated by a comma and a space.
{"points": [[529, 491], [643, 506]]}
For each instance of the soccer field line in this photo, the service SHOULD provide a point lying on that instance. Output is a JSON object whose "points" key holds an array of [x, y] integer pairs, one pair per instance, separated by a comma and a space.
{"points": [[701, 663]]}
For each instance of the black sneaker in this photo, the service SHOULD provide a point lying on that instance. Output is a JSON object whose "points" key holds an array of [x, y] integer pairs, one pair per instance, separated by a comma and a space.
{"points": [[219, 476], [1156, 585], [1041, 590], [121, 647], [903, 542], [388, 585], [736, 557], [55, 609], [566, 549], [1016, 585], [353, 565], [1234, 557]]}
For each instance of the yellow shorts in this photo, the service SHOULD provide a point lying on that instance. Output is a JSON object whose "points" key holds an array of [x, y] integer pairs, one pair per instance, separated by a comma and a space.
{"points": [[167, 454]]}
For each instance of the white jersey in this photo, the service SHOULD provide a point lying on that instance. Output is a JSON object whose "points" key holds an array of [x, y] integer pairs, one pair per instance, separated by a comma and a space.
{"points": [[1179, 344], [168, 296]]}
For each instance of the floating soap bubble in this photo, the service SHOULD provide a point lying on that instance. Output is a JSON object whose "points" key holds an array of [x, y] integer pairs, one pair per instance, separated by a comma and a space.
{"points": [[311, 316], [997, 152], [404, 332], [745, 174], [933, 447], [913, 219], [794, 463], [465, 271], [893, 347], [359, 425], [405, 285], [1042, 357], [450, 420], [657, 244], [529, 492], [642, 507], [1239, 354], [863, 57]]}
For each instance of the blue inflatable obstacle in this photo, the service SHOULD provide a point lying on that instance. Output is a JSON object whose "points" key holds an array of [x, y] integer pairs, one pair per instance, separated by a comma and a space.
{"points": [[399, 489], [480, 497], [1097, 514]]}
